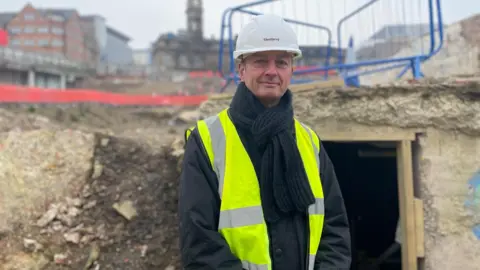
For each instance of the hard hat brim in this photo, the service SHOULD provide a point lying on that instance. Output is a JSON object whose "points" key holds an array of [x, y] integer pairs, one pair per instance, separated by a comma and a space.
{"points": [[297, 53]]}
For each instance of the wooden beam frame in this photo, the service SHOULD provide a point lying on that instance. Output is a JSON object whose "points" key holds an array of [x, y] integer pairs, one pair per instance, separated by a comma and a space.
{"points": [[367, 136], [407, 205]]}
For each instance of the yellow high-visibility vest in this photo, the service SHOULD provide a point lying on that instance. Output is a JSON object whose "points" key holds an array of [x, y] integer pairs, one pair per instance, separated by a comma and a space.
{"points": [[241, 220]]}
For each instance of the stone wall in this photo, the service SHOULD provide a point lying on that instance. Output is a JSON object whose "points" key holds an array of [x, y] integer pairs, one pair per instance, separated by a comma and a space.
{"points": [[447, 160], [444, 106]]}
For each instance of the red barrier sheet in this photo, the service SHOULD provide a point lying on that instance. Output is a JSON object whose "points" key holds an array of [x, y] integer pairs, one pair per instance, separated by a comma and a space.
{"points": [[22, 94]]}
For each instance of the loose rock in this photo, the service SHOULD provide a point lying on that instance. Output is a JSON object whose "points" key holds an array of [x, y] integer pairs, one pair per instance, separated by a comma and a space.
{"points": [[72, 237], [76, 202], [97, 170], [125, 209], [104, 142], [48, 217], [60, 258], [32, 245]]}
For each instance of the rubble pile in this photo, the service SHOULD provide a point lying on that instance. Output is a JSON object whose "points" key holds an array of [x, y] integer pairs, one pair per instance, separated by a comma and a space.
{"points": [[122, 214]]}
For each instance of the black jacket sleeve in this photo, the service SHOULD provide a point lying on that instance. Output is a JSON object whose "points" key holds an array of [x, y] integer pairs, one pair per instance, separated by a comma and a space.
{"points": [[334, 251], [202, 247]]}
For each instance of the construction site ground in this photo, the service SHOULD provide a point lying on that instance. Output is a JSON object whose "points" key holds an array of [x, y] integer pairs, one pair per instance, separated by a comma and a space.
{"points": [[90, 186], [115, 206]]}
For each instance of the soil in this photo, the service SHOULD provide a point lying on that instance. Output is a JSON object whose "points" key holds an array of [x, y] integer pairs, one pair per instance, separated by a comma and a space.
{"points": [[130, 172], [137, 166]]}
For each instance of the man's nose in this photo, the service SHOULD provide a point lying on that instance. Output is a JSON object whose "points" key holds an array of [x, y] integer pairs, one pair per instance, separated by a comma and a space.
{"points": [[271, 68]]}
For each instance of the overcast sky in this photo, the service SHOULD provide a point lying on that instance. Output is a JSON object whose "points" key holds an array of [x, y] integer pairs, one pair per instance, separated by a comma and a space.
{"points": [[144, 20]]}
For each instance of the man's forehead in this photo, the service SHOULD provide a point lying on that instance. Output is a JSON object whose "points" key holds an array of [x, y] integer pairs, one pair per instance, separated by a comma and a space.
{"points": [[275, 54]]}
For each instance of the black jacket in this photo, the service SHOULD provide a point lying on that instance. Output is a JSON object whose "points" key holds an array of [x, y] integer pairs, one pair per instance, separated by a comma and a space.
{"points": [[202, 247]]}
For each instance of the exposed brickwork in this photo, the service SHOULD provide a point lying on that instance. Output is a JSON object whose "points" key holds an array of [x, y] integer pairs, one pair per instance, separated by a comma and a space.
{"points": [[74, 37], [19, 22], [47, 35]]}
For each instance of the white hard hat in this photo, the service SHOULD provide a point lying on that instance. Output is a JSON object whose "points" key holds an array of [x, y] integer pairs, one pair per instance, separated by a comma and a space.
{"points": [[266, 32]]}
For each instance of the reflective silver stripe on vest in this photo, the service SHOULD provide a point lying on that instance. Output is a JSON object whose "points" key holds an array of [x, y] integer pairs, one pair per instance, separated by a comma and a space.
{"points": [[317, 151], [251, 266], [240, 217], [311, 262], [318, 208], [217, 136]]}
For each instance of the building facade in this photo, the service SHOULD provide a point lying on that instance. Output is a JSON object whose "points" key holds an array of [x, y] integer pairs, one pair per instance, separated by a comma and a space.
{"points": [[50, 31], [5, 18], [64, 33], [142, 57], [109, 47], [187, 50], [117, 50], [95, 30]]}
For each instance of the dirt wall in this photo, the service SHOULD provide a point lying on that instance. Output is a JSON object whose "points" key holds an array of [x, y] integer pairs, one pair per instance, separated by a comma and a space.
{"points": [[443, 106]]}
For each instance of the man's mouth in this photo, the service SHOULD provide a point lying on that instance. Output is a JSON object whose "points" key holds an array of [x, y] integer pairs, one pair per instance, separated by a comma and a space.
{"points": [[270, 83]]}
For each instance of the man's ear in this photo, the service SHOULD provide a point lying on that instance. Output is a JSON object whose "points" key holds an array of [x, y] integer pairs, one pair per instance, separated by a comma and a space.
{"points": [[241, 70]]}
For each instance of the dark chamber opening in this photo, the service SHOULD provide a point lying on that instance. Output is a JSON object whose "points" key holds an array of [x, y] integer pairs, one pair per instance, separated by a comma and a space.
{"points": [[367, 174]]}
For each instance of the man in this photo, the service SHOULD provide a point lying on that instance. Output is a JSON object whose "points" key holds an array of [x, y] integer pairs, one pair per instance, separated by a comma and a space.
{"points": [[258, 190]]}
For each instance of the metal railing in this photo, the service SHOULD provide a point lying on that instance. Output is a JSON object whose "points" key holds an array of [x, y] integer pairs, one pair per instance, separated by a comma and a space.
{"points": [[26, 60], [412, 62]]}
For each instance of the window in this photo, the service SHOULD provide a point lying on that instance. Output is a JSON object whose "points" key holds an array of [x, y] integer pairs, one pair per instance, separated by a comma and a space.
{"points": [[57, 31], [42, 30], [29, 17], [16, 42], [197, 3], [29, 29], [57, 43], [43, 42], [15, 30], [194, 27], [29, 42], [56, 18]]}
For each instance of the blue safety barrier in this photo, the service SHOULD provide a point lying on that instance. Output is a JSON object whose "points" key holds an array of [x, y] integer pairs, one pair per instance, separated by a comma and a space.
{"points": [[344, 69]]}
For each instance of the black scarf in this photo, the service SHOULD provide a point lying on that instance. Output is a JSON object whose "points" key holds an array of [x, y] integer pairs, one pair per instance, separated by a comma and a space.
{"points": [[284, 185]]}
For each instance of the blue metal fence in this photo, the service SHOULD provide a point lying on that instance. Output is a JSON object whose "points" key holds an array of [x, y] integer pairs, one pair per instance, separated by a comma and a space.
{"points": [[412, 62]]}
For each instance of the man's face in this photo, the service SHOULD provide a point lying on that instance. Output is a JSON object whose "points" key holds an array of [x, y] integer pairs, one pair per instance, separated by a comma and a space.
{"points": [[267, 75]]}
